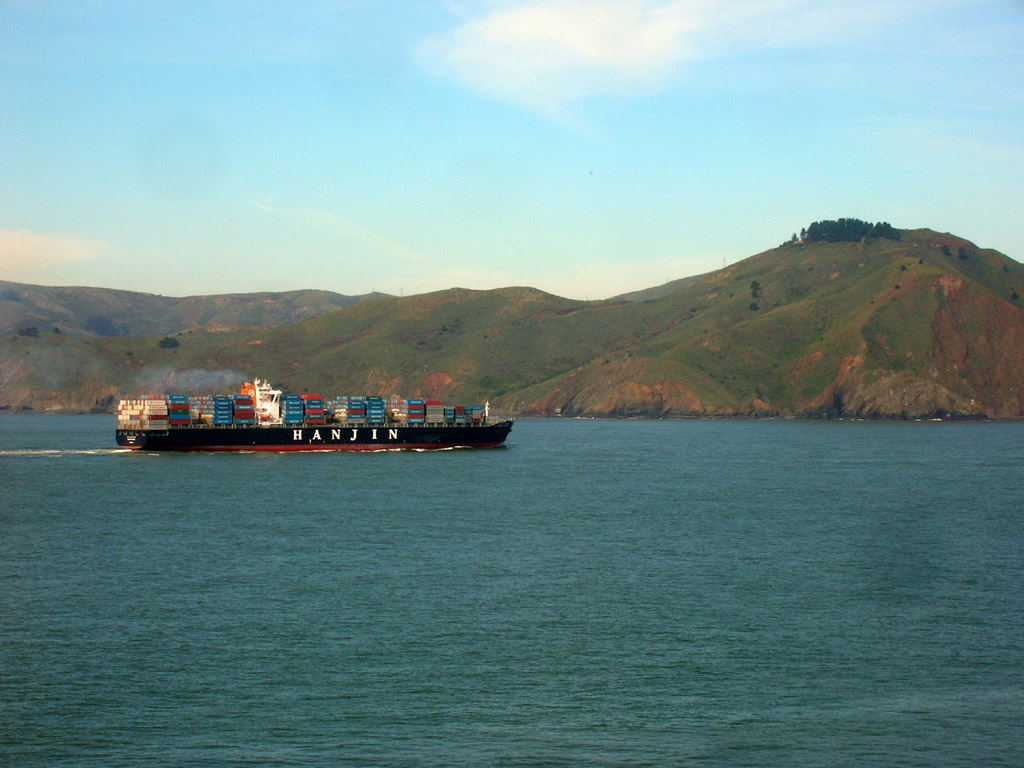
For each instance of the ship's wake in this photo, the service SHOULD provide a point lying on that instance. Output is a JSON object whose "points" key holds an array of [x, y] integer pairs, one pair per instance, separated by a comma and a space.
{"points": [[64, 451]]}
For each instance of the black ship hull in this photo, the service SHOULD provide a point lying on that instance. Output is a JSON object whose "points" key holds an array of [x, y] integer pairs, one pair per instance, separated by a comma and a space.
{"points": [[329, 437]]}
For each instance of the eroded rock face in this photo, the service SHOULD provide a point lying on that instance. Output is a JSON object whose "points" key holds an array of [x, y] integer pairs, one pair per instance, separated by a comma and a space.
{"points": [[980, 341], [900, 395], [622, 388]]}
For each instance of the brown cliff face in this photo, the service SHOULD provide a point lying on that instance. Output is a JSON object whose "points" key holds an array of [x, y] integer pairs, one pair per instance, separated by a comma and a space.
{"points": [[620, 388], [946, 348], [901, 395], [979, 342]]}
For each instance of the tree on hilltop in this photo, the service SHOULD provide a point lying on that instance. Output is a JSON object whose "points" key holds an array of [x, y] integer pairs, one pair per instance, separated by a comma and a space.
{"points": [[847, 231], [886, 230]]}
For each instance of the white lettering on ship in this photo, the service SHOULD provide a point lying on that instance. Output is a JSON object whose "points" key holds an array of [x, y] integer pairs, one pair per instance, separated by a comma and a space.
{"points": [[336, 435]]}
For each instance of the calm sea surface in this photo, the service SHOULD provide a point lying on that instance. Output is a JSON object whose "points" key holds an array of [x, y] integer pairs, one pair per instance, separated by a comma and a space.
{"points": [[598, 593]]}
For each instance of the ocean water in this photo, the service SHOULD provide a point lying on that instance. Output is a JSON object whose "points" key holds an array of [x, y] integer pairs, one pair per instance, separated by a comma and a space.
{"points": [[597, 593]]}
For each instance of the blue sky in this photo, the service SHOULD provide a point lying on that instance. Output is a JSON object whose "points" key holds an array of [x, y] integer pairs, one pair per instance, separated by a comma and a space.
{"points": [[583, 147]]}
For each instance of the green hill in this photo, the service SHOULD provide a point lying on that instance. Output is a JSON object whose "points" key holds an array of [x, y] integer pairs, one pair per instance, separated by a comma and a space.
{"points": [[912, 327], [927, 325], [105, 312]]}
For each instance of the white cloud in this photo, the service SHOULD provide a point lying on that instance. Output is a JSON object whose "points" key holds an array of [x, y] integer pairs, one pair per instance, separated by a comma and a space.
{"points": [[26, 256], [547, 54]]}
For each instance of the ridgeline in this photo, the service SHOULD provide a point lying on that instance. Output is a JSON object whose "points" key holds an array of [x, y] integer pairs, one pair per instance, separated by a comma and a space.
{"points": [[887, 324]]}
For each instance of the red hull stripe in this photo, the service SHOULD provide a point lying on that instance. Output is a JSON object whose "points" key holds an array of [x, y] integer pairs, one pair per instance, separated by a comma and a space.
{"points": [[316, 448]]}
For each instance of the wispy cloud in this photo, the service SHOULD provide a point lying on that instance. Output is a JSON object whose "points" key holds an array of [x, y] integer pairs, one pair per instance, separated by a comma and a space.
{"points": [[373, 242], [547, 54], [26, 256]]}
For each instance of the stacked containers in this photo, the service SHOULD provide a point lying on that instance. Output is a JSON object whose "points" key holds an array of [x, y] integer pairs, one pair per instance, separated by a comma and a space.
{"points": [[417, 410], [200, 407], [156, 410], [399, 408], [244, 413], [294, 410], [340, 408], [355, 410], [223, 412], [129, 414], [434, 411], [148, 412], [375, 410], [177, 410], [314, 405]]}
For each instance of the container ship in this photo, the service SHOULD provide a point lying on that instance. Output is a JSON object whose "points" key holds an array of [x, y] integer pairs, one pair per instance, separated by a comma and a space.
{"points": [[261, 418]]}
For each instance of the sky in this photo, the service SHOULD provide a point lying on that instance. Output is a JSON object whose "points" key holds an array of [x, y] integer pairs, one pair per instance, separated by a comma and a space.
{"points": [[583, 147]]}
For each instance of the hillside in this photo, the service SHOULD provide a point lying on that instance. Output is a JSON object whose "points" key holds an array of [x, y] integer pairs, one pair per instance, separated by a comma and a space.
{"points": [[928, 325], [659, 290], [105, 312]]}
